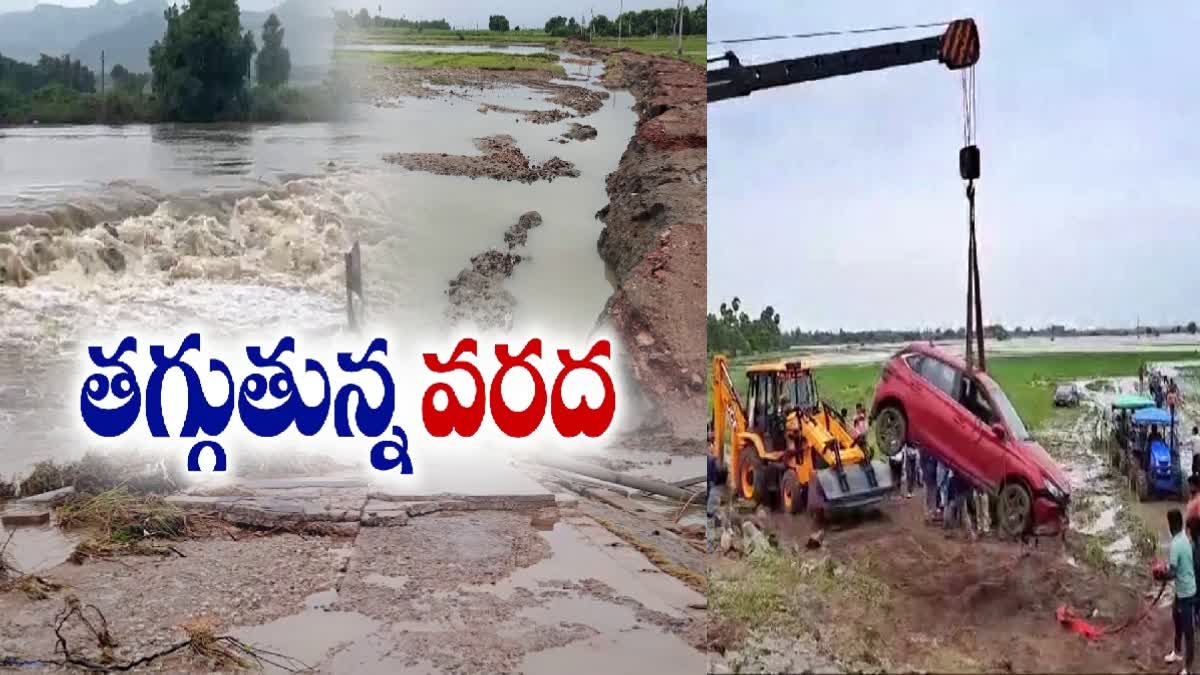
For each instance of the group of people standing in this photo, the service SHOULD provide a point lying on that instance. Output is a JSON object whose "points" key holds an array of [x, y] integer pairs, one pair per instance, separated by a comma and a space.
{"points": [[1183, 569], [950, 498], [1163, 389]]}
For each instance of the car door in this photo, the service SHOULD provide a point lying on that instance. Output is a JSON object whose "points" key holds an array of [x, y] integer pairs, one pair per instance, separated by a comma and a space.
{"points": [[936, 406], [984, 455]]}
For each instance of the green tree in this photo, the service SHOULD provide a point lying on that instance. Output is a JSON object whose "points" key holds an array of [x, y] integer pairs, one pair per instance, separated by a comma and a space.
{"points": [[201, 65], [363, 19], [1191, 327], [498, 22], [601, 25], [127, 82], [274, 62], [557, 25]]}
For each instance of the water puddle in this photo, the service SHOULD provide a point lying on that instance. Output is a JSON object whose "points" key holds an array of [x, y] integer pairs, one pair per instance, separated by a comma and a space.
{"points": [[605, 617], [634, 651], [574, 557], [33, 550], [311, 634], [544, 519]]}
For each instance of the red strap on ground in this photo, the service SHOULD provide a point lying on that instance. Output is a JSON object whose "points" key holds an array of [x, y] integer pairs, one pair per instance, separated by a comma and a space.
{"points": [[1068, 618]]}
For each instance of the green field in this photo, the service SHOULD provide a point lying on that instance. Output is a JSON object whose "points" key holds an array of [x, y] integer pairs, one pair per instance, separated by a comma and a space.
{"points": [[410, 36], [694, 49], [481, 60], [1027, 379]]}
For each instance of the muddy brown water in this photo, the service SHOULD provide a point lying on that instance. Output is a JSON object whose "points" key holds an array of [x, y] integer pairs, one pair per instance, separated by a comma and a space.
{"points": [[255, 219]]}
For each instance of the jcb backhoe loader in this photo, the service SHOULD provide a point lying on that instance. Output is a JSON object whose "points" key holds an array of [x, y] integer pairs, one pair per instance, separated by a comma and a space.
{"points": [[786, 441]]}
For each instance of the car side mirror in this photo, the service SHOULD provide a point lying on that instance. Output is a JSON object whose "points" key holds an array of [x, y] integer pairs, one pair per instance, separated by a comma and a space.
{"points": [[998, 431]]}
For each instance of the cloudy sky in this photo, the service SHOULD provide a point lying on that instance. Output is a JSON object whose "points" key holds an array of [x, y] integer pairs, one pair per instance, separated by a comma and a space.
{"points": [[457, 12], [839, 201]]}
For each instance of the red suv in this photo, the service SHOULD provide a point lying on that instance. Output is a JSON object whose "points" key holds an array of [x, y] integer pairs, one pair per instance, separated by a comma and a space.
{"points": [[929, 399]]}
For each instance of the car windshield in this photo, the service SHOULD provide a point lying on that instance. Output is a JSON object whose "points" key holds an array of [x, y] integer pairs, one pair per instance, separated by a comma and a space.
{"points": [[1006, 410]]}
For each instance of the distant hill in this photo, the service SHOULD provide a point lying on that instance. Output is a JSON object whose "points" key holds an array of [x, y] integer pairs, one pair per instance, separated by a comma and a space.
{"points": [[308, 35], [127, 44], [55, 30]]}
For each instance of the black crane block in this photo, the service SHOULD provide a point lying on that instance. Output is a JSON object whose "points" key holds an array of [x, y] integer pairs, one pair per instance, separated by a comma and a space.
{"points": [[968, 162]]}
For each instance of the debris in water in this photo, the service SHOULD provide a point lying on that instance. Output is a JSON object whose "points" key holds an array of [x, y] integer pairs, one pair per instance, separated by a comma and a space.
{"points": [[580, 132], [501, 160]]}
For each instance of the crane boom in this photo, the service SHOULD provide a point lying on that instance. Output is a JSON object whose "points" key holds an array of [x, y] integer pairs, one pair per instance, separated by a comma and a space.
{"points": [[957, 48]]}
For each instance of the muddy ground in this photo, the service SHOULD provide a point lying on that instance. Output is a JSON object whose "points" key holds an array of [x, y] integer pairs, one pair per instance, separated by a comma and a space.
{"points": [[890, 592], [655, 235], [477, 294], [446, 592], [501, 159]]}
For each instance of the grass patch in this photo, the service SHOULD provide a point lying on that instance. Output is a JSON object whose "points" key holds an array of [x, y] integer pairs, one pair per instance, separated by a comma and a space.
{"points": [[694, 48], [462, 60], [1027, 379], [122, 523], [771, 588]]}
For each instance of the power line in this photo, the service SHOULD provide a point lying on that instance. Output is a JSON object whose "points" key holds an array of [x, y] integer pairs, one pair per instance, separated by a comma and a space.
{"points": [[827, 33]]}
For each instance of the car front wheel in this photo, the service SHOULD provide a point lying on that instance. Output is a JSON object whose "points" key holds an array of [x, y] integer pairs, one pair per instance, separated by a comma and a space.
{"points": [[891, 430], [1014, 510]]}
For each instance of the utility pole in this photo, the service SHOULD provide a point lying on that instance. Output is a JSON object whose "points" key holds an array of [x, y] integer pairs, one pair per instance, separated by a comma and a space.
{"points": [[620, 12], [679, 13]]}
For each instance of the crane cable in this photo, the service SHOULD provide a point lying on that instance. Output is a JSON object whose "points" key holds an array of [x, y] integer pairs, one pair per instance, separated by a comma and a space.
{"points": [[974, 303], [828, 33]]}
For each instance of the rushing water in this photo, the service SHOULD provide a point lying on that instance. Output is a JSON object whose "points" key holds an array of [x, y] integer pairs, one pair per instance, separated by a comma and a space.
{"points": [[243, 226]]}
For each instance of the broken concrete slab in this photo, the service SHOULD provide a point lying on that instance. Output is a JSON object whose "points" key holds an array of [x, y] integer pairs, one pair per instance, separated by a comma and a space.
{"points": [[51, 498], [452, 502], [290, 483], [29, 517]]}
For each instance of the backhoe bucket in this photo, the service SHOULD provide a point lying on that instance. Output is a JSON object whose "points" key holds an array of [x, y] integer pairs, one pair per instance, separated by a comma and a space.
{"points": [[858, 491]]}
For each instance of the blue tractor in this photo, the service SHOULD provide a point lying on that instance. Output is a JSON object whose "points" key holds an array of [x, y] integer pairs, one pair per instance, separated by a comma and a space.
{"points": [[1152, 458]]}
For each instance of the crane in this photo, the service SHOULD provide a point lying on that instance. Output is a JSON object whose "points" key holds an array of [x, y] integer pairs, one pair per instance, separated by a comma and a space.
{"points": [[957, 48]]}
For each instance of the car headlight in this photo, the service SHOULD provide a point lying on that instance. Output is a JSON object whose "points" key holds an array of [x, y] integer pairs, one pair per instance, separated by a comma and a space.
{"points": [[1056, 492]]}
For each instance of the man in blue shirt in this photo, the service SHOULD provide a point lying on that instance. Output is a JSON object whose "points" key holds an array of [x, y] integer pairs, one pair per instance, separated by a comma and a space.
{"points": [[1183, 571]]}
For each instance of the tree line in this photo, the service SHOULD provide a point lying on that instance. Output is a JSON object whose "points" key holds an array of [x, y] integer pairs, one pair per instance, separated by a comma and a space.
{"points": [[641, 23], [200, 72], [363, 19], [732, 331]]}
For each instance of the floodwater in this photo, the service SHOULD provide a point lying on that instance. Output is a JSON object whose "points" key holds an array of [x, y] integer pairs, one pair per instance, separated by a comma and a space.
{"points": [[252, 221], [35, 549]]}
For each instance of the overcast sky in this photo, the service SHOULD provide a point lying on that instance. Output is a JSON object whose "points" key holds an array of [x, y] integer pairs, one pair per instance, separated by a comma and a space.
{"points": [[457, 12], [839, 201]]}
